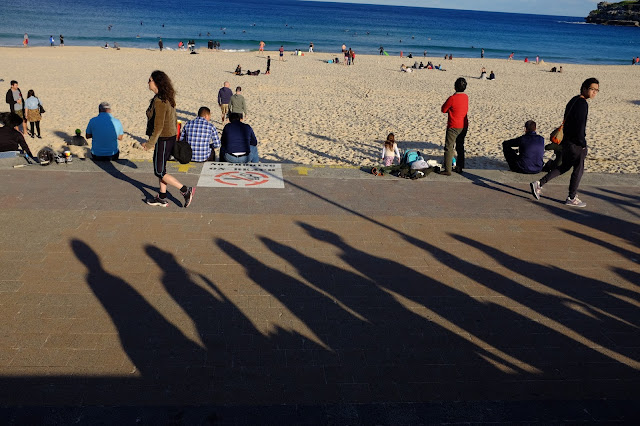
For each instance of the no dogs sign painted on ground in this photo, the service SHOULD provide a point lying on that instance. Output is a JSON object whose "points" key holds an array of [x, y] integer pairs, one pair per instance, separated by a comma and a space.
{"points": [[252, 175]]}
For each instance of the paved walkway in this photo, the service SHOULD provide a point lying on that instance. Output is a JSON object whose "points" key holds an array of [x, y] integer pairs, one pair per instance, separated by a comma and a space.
{"points": [[343, 298]]}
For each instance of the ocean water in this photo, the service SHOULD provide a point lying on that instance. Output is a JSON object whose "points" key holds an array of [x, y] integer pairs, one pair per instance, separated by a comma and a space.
{"points": [[240, 25]]}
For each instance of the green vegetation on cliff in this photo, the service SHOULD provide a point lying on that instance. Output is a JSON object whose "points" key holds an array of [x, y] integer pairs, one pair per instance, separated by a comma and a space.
{"points": [[621, 13]]}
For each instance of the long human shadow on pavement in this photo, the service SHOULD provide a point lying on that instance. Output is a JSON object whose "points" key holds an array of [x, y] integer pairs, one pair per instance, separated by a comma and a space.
{"points": [[389, 332], [615, 226], [583, 305], [635, 257], [223, 367], [507, 326], [370, 338], [146, 336], [625, 205], [486, 183], [621, 194], [113, 171]]}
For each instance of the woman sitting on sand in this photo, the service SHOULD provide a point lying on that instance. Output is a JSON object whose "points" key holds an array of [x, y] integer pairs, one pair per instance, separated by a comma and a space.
{"points": [[390, 150], [483, 74], [238, 70], [404, 68]]}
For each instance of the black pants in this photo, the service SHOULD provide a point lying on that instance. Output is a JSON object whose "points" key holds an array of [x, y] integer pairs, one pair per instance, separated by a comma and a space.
{"points": [[572, 156], [511, 156], [37, 125], [113, 157]]}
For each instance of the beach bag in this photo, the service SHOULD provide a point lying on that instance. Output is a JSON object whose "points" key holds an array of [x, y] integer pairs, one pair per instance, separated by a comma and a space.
{"points": [[182, 152], [409, 156], [557, 135], [41, 109]]}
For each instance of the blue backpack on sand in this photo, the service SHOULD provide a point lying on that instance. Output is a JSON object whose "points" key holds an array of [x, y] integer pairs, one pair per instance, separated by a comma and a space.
{"points": [[409, 156]]}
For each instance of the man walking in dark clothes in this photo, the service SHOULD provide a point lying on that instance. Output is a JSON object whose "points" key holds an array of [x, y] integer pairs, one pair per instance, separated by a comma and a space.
{"points": [[574, 143]]}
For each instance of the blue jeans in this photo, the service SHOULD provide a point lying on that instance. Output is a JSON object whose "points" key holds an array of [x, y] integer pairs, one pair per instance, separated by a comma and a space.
{"points": [[253, 154], [231, 159]]}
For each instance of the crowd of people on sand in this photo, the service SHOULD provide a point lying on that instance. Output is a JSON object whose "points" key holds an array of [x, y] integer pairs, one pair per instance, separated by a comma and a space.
{"points": [[523, 154], [238, 143], [421, 66]]}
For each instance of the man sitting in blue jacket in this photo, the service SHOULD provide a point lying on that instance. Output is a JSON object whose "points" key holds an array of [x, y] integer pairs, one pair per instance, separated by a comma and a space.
{"points": [[530, 151], [239, 143]]}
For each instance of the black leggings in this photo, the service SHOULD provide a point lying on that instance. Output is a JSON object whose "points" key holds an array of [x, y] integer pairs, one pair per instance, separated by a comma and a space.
{"points": [[37, 123], [572, 156]]}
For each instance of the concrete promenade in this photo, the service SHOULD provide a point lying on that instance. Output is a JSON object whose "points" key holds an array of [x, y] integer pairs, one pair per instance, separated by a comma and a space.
{"points": [[343, 298]]}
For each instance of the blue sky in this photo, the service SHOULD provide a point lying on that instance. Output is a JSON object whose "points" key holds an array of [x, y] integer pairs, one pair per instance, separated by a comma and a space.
{"points": [[541, 7]]}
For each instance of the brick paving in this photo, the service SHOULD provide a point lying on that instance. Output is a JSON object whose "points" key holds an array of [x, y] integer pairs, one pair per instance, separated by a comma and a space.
{"points": [[339, 300]]}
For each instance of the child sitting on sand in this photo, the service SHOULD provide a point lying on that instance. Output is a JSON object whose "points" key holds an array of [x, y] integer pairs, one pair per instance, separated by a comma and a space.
{"points": [[390, 150]]}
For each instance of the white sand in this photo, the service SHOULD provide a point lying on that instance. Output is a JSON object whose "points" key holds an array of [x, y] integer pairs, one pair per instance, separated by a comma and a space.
{"points": [[311, 112]]}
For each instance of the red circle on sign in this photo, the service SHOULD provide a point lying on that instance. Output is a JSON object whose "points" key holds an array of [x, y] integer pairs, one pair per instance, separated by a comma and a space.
{"points": [[238, 176]]}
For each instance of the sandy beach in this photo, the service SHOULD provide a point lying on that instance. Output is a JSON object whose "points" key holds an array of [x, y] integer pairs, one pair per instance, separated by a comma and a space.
{"points": [[311, 112]]}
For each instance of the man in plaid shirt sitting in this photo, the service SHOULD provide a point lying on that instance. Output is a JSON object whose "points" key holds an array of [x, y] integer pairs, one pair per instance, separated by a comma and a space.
{"points": [[202, 136]]}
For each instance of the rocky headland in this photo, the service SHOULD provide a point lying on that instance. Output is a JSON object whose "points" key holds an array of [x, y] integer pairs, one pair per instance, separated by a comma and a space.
{"points": [[626, 13]]}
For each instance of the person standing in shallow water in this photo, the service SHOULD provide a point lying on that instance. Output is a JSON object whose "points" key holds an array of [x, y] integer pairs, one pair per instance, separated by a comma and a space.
{"points": [[574, 143], [162, 131]]}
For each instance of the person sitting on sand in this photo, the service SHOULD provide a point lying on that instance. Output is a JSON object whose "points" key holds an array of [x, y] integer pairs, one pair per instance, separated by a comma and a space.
{"points": [[528, 157], [483, 74], [390, 150], [10, 138], [202, 136], [560, 69], [421, 66], [78, 140], [404, 68], [106, 131], [492, 76], [238, 70], [239, 143]]}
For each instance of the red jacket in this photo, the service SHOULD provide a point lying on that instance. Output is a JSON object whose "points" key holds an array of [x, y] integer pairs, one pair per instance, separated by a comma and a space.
{"points": [[457, 107]]}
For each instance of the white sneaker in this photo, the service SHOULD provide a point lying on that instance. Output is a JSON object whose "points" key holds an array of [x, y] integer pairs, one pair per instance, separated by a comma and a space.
{"points": [[536, 189], [574, 202]]}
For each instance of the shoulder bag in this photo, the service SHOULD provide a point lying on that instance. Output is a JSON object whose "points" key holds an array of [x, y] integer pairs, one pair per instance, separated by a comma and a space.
{"points": [[182, 151], [558, 134]]}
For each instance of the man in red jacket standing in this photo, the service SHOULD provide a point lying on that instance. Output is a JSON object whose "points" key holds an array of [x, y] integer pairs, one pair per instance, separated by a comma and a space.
{"points": [[457, 106]]}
